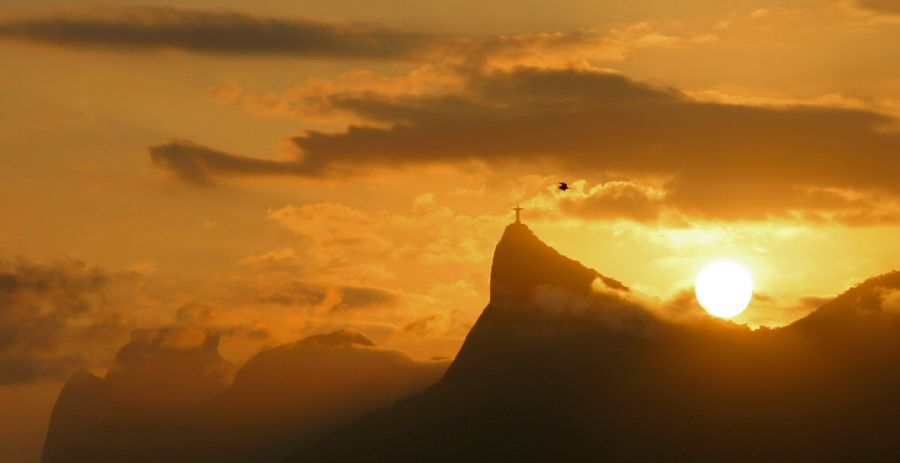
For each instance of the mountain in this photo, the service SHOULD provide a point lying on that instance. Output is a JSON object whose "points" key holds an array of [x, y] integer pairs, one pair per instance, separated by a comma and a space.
{"points": [[565, 364], [152, 378], [80, 408], [291, 395], [169, 397]]}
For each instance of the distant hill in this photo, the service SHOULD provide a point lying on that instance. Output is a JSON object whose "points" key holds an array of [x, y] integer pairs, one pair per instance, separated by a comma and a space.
{"points": [[167, 398], [565, 365], [156, 375]]}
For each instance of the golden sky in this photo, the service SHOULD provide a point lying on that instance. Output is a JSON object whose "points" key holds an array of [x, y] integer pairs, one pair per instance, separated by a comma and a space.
{"points": [[289, 168]]}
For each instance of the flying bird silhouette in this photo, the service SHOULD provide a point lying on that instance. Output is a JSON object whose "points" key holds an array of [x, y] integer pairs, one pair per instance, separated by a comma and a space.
{"points": [[563, 186]]}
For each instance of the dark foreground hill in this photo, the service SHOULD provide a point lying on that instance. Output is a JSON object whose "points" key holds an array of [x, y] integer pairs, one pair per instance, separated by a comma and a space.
{"points": [[566, 365]]}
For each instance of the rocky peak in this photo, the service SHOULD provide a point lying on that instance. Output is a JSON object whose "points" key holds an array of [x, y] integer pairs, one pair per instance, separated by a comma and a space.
{"points": [[522, 262]]}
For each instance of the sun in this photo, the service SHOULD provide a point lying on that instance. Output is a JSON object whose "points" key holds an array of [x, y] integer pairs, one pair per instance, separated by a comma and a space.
{"points": [[724, 287]]}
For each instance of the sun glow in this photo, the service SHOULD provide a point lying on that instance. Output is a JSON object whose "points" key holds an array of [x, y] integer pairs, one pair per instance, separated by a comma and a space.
{"points": [[724, 288]]}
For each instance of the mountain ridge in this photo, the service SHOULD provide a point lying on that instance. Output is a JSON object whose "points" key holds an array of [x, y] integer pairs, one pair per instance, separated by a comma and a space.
{"points": [[559, 368], [564, 364], [157, 404]]}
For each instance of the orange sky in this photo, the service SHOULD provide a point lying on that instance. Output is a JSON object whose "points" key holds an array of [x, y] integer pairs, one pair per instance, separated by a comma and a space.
{"points": [[282, 170]]}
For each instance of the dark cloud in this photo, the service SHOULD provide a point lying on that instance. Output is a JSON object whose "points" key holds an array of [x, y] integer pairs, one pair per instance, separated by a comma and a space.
{"points": [[725, 161], [338, 298], [216, 321], [360, 297], [421, 326], [44, 310], [719, 161], [883, 6], [232, 33], [25, 369], [197, 164], [218, 32]]}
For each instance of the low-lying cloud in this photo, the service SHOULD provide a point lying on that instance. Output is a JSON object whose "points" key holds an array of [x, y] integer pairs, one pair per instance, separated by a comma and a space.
{"points": [[46, 309]]}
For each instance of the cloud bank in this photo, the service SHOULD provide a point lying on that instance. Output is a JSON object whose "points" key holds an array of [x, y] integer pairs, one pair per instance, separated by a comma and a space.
{"points": [[707, 159]]}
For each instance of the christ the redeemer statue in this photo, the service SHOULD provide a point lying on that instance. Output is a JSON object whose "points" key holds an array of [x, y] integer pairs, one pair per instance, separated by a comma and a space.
{"points": [[518, 214]]}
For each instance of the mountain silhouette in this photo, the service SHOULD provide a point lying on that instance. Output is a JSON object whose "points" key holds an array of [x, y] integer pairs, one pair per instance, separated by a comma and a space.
{"points": [[565, 364], [155, 376], [167, 398]]}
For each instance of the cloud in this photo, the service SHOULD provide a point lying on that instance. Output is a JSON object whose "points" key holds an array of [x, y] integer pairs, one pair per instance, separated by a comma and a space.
{"points": [[217, 321], [890, 301], [356, 297], [764, 311], [297, 293], [285, 259], [725, 160], [223, 32], [60, 316], [312, 99], [561, 311], [421, 326], [215, 32], [337, 237], [574, 48], [46, 309], [614, 200], [718, 161], [197, 164], [882, 6], [326, 222], [343, 271]]}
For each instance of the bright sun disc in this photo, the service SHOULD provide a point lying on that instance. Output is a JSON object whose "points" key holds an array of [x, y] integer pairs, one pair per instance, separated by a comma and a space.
{"points": [[724, 288]]}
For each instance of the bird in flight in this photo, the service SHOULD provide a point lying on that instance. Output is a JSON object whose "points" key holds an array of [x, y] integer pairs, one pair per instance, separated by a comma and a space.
{"points": [[563, 186]]}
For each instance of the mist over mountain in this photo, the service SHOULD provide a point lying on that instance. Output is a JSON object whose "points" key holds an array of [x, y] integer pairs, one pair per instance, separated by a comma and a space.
{"points": [[565, 364]]}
